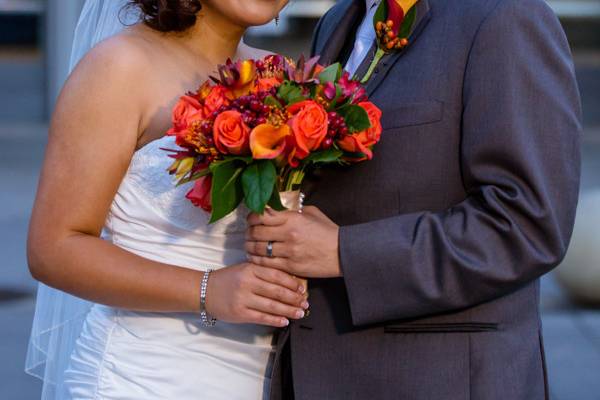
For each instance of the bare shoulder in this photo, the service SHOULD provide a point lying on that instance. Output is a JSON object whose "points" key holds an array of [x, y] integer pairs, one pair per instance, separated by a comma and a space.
{"points": [[124, 55], [107, 88], [114, 71]]}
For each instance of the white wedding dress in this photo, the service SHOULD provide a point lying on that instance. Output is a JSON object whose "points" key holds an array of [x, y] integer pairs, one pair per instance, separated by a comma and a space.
{"points": [[122, 354]]}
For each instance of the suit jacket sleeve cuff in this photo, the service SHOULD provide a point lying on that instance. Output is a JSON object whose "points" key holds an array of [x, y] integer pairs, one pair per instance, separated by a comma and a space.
{"points": [[367, 251]]}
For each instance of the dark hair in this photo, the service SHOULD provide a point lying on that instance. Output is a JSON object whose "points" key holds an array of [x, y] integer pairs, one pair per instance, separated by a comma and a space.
{"points": [[168, 15]]}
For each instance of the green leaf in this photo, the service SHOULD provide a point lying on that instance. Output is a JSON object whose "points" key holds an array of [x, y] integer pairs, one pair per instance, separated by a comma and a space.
{"points": [[290, 93], [195, 176], [380, 14], [234, 178], [230, 159], [354, 155], [275, 201], [356, 117], [258, 181], [331, 73], [407, 23], [226, 190], [272, 101], [325, 156]]}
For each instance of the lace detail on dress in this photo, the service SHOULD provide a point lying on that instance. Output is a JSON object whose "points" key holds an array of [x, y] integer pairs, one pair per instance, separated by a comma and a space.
{"points": [[148, 172]]}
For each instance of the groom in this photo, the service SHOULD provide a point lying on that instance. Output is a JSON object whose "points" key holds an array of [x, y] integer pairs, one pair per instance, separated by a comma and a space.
{"points": [[424, 262]]}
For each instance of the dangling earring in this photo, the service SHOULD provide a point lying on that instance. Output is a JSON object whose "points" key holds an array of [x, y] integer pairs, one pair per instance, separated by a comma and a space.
{"points": [[277, 20]]}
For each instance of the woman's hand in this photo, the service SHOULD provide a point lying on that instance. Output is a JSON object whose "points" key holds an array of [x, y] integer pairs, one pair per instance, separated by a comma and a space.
{"points": [[248, 293]]}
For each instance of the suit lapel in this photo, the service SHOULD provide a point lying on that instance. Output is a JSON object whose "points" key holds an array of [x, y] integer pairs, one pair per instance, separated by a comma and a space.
{"points": [[338, 41], [387, 62]]}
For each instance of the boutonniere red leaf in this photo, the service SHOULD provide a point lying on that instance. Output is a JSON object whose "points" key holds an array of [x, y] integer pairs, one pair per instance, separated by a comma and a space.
{"points": [[393, 23]]}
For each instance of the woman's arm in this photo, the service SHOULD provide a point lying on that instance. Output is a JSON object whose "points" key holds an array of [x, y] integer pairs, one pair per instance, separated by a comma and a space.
{"points": [[93, 134]]}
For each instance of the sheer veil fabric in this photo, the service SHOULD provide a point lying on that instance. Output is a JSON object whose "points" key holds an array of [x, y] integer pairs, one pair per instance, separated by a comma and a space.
{"points": [[59, 316]]}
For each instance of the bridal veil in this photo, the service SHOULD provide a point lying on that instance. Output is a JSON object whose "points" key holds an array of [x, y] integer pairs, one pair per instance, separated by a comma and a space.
{"points": [[59, 316]]}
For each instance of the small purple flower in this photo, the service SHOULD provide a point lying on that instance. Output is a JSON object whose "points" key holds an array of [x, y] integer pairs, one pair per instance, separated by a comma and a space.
{"points": [[352, 89], [329, 90]]}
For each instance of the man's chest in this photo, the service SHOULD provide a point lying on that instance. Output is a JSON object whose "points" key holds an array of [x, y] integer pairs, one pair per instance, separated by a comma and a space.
{"points": [[416, 165]]}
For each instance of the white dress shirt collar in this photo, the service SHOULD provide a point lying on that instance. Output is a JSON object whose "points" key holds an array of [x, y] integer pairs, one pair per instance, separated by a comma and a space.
{"points": [[372, 3], [365, 37]]}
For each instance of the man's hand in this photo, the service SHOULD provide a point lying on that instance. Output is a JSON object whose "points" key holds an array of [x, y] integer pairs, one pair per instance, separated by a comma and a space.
{"points": [[304, 244]]}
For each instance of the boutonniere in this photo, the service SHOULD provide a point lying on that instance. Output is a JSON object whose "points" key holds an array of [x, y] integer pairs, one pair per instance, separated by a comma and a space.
{"points": [[393, 23]]}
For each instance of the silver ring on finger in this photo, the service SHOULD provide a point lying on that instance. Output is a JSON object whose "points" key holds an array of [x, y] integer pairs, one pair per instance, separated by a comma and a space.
{"points": [[270, 249]]}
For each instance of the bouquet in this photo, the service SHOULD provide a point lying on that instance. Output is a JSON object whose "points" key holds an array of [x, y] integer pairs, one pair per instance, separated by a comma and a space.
{"points": [[251, 133]]}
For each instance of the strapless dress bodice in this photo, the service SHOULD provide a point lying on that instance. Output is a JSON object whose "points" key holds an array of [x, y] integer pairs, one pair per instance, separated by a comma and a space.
{"points": [[151, 216]]}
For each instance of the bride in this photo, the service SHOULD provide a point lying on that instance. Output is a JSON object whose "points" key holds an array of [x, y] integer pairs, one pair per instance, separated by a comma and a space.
{"points": [[109, 226]]}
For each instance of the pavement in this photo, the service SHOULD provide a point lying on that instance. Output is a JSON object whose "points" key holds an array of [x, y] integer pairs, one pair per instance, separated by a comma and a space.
{"points": [[571, 331]]}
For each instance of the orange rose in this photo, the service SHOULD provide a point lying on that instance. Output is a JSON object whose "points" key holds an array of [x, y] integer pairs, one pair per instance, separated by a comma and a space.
{"points": [[267, 141], [217, 97], [266, 84], [361, 142], [309, 126], [187, 110], [231, 134]]}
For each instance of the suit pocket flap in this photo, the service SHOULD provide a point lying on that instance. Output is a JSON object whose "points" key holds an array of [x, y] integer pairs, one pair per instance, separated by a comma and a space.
{"points": [[458, 327], [411, 114]]}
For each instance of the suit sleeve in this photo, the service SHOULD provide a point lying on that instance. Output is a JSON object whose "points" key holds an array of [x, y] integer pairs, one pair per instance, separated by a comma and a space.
{"points": [[520, 160]]}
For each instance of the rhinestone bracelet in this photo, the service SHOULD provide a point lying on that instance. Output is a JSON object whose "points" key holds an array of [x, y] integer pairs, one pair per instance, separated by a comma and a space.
{"points": [[206, 320]]}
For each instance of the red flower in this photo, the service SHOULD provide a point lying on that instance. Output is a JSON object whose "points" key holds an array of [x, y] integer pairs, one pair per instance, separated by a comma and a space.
{"points": [[217, 97], [201, 193], [187, 110], [361, 142], [352, 89], [265, 84]]}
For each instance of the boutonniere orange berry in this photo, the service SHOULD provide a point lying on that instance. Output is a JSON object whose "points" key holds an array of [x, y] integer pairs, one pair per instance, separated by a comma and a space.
{"points": [[393, 23]]}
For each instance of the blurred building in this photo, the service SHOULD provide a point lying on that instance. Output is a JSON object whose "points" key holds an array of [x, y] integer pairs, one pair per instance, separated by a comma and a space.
{"points": [[50, 24]]}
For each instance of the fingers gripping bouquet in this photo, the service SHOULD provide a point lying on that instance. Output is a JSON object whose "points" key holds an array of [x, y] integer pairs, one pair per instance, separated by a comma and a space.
{"points": [[252, 132]]}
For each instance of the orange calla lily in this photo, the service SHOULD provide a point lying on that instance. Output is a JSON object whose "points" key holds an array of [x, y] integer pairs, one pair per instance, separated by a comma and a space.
{"points": [[247, 71], [238, 77], [406, 4], [267, 141], [247, 75]]}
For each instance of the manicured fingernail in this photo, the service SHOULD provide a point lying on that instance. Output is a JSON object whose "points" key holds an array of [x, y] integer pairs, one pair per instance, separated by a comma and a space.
{"points": [[285, 322], [301, 289], [299, 314], [305, 305]]}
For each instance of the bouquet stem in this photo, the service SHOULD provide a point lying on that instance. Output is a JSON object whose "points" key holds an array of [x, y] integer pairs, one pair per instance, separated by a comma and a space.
{"points": [[292, 200]]}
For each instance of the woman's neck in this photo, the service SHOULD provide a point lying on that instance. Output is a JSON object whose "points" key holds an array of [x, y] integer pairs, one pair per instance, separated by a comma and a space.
{"points": [[214, 37]]}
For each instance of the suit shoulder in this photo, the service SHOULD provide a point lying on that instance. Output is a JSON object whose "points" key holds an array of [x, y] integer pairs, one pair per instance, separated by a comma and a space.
{"points": [[326, 23], [485, 9], [335, 12], [481, 10]]}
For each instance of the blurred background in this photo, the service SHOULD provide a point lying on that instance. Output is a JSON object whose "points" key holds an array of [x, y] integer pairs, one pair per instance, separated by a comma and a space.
{"points": [[35, 42]]}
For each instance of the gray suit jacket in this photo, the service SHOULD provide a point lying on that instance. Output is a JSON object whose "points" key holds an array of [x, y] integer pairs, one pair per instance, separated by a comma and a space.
{"points": [[469, 199]]}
